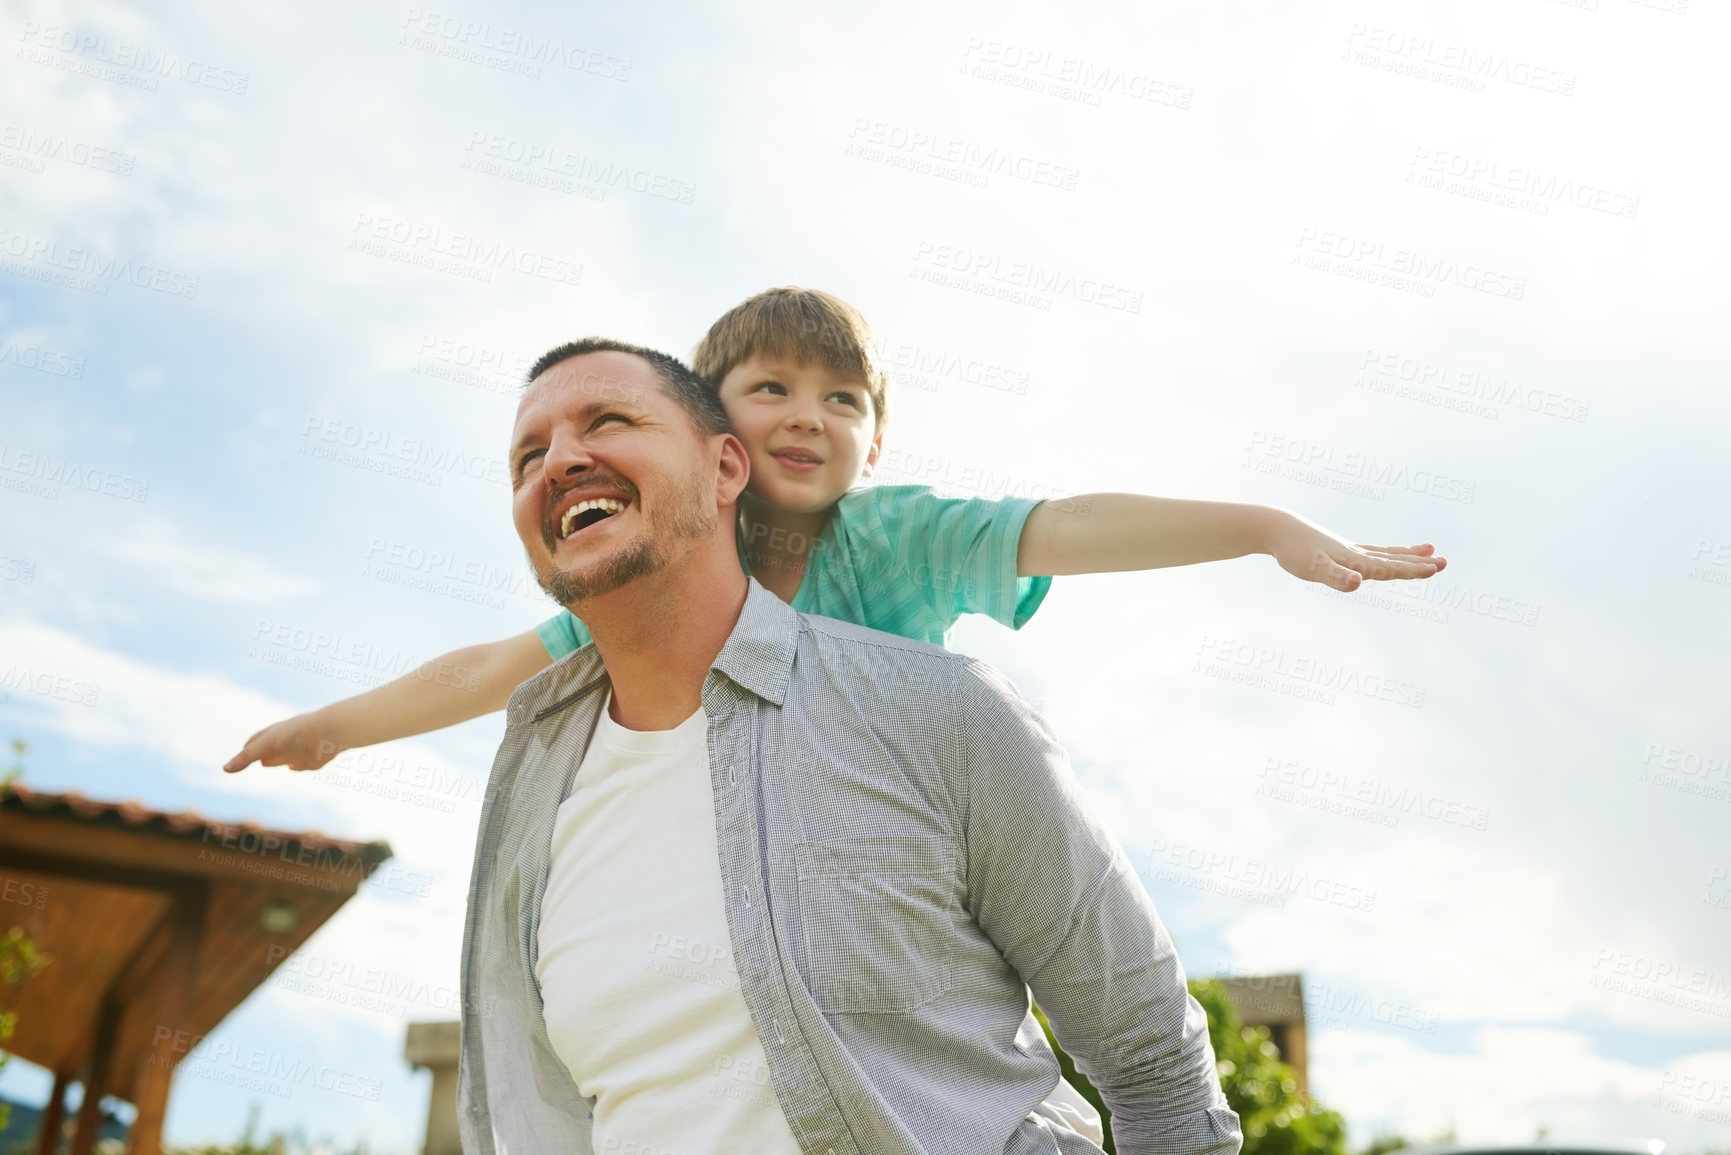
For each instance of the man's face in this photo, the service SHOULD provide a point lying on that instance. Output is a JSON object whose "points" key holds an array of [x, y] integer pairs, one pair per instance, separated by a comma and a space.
{"points": [[610, 479], [807, 428]]}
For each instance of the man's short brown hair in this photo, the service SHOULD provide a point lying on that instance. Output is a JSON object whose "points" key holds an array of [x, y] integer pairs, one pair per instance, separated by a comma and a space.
{"points": [[800, 324]]}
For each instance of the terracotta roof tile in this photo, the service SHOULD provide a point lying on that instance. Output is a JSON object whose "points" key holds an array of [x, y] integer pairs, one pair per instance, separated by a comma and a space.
{"points": [[179, 824]]}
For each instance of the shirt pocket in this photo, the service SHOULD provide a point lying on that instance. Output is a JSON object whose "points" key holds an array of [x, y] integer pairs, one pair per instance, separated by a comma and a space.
{"points": [[876, 916]]}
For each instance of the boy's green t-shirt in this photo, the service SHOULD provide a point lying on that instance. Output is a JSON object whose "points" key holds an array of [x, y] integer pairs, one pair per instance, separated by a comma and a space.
{"points": [[902, 559]]}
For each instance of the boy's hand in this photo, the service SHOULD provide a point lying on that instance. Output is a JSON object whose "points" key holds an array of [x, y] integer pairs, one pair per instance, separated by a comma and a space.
{"points": [[1310, 552], [303, 742]]}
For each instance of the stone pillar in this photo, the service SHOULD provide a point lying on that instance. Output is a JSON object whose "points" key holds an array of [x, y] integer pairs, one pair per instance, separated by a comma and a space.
{"points": [[435, 1046]]}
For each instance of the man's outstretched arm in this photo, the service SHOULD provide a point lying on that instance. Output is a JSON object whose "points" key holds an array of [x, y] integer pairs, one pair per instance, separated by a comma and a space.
{"points": [[1057, 895]]}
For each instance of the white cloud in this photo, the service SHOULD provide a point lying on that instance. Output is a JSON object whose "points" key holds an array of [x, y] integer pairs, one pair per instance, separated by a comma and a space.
{"points": [[205, 569], [1512, 1082]]}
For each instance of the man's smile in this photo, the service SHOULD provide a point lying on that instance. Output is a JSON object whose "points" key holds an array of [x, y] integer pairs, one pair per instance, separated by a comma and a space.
{"points": [[575, 512]]}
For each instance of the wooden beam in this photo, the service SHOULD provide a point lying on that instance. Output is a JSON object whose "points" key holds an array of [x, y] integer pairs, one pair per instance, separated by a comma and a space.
{"points": [[53, 1117], [79, 850], [96, 1082], [170, 992]]}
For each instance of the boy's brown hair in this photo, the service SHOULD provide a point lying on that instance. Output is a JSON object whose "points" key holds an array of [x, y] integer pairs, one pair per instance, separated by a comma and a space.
{"points": [[801, 324]]}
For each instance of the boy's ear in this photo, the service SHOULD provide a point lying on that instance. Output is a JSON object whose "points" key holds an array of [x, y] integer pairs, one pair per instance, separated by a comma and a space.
{"points": [[871, 460]]}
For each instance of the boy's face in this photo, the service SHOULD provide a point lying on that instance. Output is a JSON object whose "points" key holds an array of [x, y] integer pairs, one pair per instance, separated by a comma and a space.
{"points": [[808, 429]]}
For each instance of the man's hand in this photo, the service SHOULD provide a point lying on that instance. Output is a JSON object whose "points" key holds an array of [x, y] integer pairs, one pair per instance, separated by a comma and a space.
{"points": [[1310, 552], [304, 742]]}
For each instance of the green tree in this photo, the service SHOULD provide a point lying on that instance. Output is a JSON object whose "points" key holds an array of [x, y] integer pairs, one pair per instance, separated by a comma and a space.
{"points": [[11, 773], [19, 962], [1277, 1120]]}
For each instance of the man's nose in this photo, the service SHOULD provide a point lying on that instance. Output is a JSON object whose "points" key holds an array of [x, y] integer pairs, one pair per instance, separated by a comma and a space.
{"points": [[567, 456]]}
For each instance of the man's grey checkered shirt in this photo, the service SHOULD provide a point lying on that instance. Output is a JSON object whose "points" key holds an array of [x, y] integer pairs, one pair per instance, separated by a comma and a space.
{"points": [[904, 854]]}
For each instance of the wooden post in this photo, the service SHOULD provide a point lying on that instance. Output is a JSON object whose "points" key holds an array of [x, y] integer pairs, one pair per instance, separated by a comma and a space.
{"points": [[96, 1082], [171, 994], [53, 1117]]}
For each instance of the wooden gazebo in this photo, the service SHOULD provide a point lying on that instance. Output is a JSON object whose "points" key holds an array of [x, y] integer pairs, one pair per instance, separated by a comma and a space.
{"points": [[158, 926]]}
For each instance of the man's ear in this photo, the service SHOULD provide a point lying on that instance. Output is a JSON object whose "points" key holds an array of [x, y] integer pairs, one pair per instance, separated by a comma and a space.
{"points": [[871, 460], [732, 469]]}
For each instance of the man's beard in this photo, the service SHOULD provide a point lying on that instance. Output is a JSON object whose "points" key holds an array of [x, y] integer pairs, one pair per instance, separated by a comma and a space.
{"points": [[689, 518]]}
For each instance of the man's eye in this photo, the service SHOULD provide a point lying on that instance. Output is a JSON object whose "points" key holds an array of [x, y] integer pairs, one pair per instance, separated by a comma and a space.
{"points": [[608, 417], [524, 461]]}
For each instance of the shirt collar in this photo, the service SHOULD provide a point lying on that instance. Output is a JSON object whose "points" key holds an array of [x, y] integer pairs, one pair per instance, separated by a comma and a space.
{"points": [[757, 656], [759, 652]]}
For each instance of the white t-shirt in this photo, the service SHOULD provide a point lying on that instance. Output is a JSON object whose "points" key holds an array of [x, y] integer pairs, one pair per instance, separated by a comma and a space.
{"points": [[636, 968], [637, 975]]}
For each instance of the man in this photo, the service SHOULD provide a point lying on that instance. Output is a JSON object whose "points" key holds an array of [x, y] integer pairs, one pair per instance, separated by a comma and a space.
{"points": [[748, 880]]}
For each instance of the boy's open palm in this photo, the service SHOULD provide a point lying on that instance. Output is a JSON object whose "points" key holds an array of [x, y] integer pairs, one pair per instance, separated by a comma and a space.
{"points": [[1312, 553]]}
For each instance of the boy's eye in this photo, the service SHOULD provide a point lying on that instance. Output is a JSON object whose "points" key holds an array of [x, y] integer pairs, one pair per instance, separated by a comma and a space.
{"points": [[770, 387], [845, 398]]}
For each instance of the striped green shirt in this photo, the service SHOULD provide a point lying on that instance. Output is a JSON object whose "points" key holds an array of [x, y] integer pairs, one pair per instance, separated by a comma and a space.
{"points": [[901, 559]]}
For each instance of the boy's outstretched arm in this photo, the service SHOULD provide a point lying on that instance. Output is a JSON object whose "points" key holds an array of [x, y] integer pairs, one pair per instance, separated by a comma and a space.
{"points": [[462, 684], [1112, 532]]}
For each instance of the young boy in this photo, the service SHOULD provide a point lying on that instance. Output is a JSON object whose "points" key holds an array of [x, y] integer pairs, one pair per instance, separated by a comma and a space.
{"points": [[798, 375]]}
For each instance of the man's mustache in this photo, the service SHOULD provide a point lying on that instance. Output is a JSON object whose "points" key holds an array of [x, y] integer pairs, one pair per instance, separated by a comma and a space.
{"points": [[550, 524]]}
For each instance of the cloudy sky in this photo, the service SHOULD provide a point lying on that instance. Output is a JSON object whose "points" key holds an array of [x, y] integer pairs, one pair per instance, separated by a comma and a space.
{"points": [[1421, 272]]}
